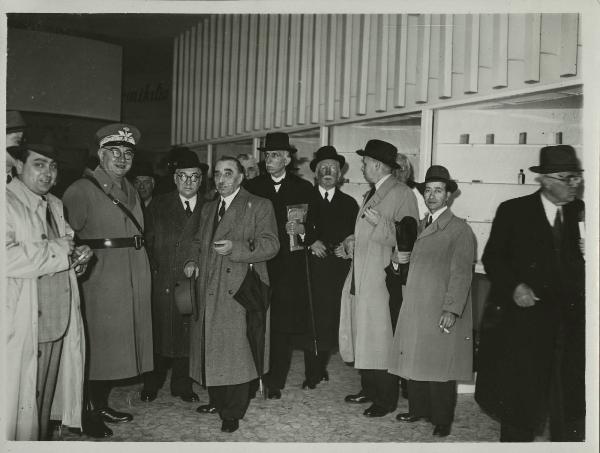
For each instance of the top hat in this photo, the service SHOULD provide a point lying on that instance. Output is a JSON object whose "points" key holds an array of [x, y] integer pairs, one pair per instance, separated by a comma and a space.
{"points": [[141, 169], [14, 121], [438, 173], [44, 150], [554, 159], [277, 141], [326, 152], [382, 151], [186, 158], [118, 134]]}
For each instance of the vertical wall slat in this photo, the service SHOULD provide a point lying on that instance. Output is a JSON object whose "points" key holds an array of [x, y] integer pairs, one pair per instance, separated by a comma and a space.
{"points": [[569, 24], [446, 36], [243, 74], [226, 90], [363, 65], [471, 72], [186, 87], [234, 74], [211, 76], [204, 81], [533, 31], [423, 49], [346, 66], [174, 110], [271, 70], [402, 47], [251, 85], [282, 58], [192, 86], [316, 69], [383, 33], [292, 74], [500, 51], [198, 84], [259, 103], [330, 73], [307, 36], [218, 75], [180, 99]]}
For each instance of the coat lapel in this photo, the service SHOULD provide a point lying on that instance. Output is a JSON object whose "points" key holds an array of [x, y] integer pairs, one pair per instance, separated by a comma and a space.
{"points": [[440, 223], [232, 215], [378, 195]]}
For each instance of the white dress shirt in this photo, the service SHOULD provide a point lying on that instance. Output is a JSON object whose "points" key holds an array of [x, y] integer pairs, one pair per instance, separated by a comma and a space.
{"points": [[329, 192], [550, 210], [192, 201]]}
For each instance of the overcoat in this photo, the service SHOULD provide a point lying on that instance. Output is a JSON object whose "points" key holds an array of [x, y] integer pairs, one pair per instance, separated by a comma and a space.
{"points": [[287, 271], [365, 335], [439, 279], [116, 288], [218, 338], [169, 233], [517, 355], [29, 255]]}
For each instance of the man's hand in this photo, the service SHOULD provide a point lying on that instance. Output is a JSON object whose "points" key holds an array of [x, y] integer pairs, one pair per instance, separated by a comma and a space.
{"points": [[401, 257], [319, 249], [349, 246], [372, 216], [223, 247], [340, 252], [190, 269], [447, 320], [293, 227], [81, 255], [524, 296]]}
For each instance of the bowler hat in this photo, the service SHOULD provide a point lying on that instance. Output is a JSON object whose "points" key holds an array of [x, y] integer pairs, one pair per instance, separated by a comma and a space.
{"points": [[277, 141], [186, 158], [14, 121], [382, 151], [326, 152], [438, 173], [118, 134], [141, 169], [554, 159]]}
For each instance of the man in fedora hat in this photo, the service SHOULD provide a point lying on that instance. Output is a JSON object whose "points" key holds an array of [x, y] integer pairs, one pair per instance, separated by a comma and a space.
{"points": [[433, 346], [46, 344], [106, 213], [365, 334], [171, 222], [15, 126], [533, 365], [143, 179], [331, 221], [289, 306]]}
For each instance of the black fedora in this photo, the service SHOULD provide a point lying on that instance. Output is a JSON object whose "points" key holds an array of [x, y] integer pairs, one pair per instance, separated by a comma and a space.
{"points": [[438, 173], [42, 149], [277, 141], [141, 168], [554, 159], [187, 158], [326, 152], [382, 151]]}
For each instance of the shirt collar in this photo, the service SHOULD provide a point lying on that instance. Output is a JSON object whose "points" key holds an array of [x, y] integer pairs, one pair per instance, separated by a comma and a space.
{"points": [[228, 199], [549, 208], [192, 201], [281, 178], [331, 192], [381, 181], [25, 194], [438, 213]]}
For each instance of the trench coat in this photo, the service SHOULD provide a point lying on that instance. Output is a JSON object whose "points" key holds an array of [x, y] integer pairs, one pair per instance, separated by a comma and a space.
{"points": [[365, 335], [28, 256], [116, 287], [169, 233], [439, 279], [218, 338]]}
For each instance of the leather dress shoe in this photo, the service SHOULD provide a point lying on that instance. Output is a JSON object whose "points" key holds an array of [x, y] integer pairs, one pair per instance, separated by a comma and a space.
{"points": [[308, 384], [375, 411], [110, 415], [206, 409], [441, 430], [148, 395], [359, 398], [190, 397], [406, 417], [325, 377], [230, 425], [93, 426], [274, 394]]}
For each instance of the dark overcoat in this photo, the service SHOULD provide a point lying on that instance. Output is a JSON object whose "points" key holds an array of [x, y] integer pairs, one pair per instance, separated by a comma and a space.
{"points": [[116, 288], [287, 271], [169, 234], [518, 351], [218, 338], [330, 222]]}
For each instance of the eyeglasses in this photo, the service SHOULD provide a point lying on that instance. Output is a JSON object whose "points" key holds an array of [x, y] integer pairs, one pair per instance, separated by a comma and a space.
{"points": [[117, 153], [182, 177], [569, 180]]}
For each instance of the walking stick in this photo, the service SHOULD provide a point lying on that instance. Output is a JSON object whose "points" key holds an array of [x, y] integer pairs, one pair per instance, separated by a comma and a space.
{"points": [[310, 300]]}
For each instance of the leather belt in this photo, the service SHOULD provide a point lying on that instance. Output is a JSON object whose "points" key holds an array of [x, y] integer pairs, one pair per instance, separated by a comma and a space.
{"points": [[136, 242]]}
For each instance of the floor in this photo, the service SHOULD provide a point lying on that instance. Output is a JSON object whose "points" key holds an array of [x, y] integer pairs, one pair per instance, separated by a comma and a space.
{"points": [[318, 415]]}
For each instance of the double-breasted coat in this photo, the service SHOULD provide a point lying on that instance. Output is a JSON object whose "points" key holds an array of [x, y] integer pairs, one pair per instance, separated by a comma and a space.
{"points": [[218, 338], [365, 335], [169, 236], [518, 353], [439, 279], [116, 288], [29, 255], [287, 270]]}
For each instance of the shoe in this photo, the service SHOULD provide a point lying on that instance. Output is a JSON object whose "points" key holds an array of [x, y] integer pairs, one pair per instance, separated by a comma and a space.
{"points": [[93, 426], [148, 395], [407, 418], [359, 398], [274, 394], [308, 384], [229, 426], [375, 411], [325, 377], [190, 397], [207, 409], [441, 430], [110, 415]]}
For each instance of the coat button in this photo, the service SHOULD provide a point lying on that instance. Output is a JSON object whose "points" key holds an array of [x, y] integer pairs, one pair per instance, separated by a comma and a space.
{"points": [[211, 293], [39, 312], [177, 244], [167, 291], [228, 270], [44, 237], [230, 291]]}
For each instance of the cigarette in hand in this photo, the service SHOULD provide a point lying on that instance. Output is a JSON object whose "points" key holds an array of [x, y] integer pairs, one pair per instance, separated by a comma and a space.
{"points": [[444, 329]]}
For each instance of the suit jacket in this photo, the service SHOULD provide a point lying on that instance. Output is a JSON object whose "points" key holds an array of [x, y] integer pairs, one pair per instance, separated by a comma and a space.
{"points": [[169, 238], [516, 358]]}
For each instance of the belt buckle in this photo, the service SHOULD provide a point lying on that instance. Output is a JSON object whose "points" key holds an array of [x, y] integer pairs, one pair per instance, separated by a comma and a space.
{"points": [[138, 241]]}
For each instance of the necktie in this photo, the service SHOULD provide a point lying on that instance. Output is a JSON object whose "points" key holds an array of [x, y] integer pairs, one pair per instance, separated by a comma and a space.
{"points": [[557, 228], [276, 185], [326, 197], [222, 210], [370, 194], [52, 226], [429, 220], [188, 210]]}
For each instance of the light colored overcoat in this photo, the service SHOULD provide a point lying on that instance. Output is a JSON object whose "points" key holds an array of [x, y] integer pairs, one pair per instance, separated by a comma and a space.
{"points": [[365, 335], [218, 337], [439, 278], [29, 255]]}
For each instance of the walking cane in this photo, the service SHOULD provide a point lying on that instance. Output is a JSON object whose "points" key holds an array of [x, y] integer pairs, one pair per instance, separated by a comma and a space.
{"points": [[310, 301]]}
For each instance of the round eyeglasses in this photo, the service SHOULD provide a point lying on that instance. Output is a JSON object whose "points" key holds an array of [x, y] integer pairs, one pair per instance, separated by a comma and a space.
{"points": [[117, 153], [569, 180], [182, 177]]}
